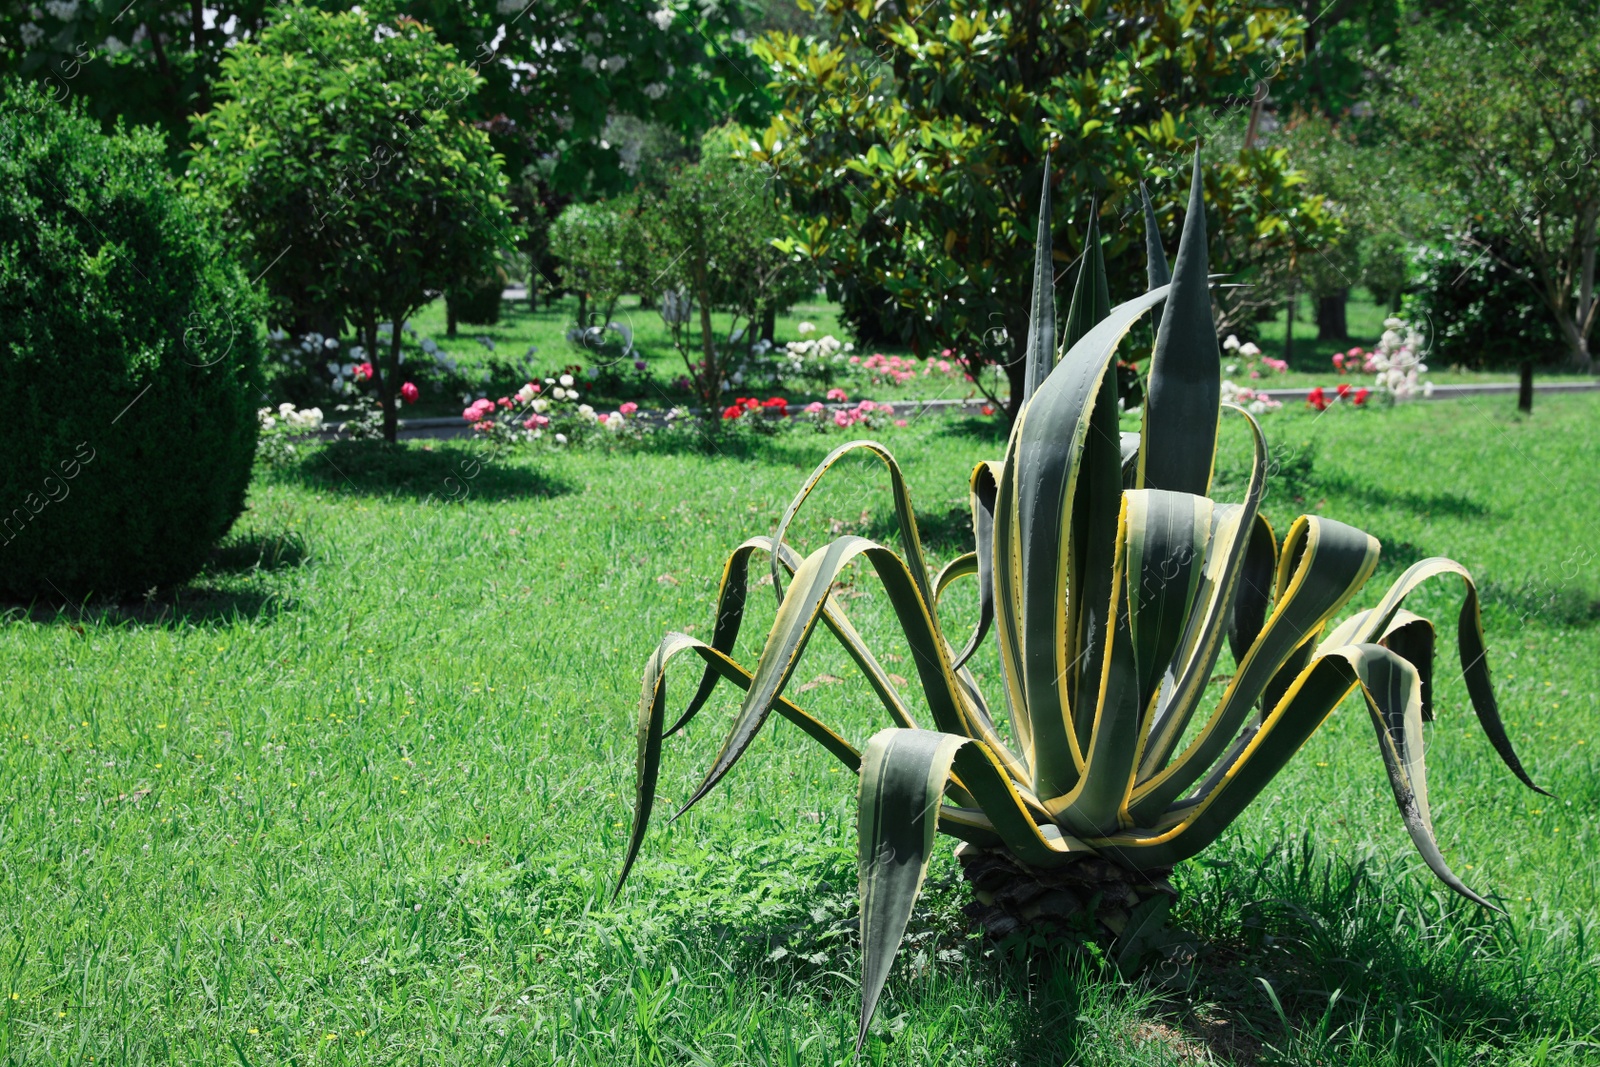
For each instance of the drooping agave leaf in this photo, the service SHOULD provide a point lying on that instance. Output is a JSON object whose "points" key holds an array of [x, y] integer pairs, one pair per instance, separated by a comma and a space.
{"points": [[731, 600], [903, 779], [1411, 637], [1394, 698], [1182, 394], [985, 484], [1324, 564], [652, 714], [905, 515], [1041, 351], [796, 618], [1255, 588], [904, 776], [1469, 643]]}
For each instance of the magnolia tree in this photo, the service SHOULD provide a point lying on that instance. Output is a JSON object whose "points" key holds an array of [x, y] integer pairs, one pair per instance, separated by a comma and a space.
{"points": [[911, 145], [340, 156]]}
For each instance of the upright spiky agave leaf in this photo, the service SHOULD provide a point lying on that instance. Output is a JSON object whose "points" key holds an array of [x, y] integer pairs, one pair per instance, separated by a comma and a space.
{"points": [[1156, 271], [1041, 354], [1091, 296], [1155, 268], [1185, 387]]}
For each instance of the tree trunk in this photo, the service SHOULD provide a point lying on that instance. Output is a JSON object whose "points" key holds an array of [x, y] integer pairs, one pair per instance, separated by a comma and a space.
{"points": [[1288, 324], [769, 324], [1331, 321], [449, 318], [389, 386], [710, 374], [1578, 354], [1525, 388]]}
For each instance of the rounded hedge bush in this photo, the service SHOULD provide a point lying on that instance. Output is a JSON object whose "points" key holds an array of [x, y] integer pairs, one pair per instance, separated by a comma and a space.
{"points": [[129, 361]]}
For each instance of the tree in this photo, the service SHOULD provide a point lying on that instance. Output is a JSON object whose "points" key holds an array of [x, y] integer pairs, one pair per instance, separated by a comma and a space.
{"points": [[912, 144], [340, 158], [602, 254], [1503, 114], [711, 244], [554, 73]]}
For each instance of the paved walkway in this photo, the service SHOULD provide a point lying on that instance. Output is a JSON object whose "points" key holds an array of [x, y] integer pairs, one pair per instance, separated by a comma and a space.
{"points": [[454, 427]]}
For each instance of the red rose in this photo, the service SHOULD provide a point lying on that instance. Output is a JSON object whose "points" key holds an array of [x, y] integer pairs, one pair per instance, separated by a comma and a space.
{"points": [[1361, 396], [408, 393], [733, 411]]}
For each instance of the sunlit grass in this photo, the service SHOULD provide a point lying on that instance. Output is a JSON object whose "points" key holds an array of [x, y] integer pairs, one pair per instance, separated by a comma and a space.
{"points": [[358, 793]]}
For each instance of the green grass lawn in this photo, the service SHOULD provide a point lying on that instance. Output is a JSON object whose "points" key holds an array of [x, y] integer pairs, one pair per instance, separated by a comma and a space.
{"points": [[546, 329], [357, 795]]}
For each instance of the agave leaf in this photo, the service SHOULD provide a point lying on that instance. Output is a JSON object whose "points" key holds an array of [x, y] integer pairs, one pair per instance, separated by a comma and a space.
{"points": [[904, 777], [1393, 694], [905, 515], [1324, 564], [1057, 458], [797, 617], [1091, 296], [1156, 270], [1168, 535], [1041, 351], [985, 484], [1113, 717], [652, 713], [731, 600], [1197, 654], [1255, 588], [1185, 384], [1007, 595], [1411, 637], [1469, 642]]}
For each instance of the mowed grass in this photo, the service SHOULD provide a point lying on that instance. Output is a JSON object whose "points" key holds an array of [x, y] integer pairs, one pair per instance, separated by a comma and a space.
{"points": [[359, 793]]}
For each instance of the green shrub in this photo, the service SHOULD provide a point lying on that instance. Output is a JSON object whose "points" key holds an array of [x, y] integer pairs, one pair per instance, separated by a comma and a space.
{"points": [[340, 153], [130, 360], [1479, 314], [477, 305]]}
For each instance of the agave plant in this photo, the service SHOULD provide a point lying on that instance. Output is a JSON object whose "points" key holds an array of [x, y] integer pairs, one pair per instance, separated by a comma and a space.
{"points": [[1112, 583]]}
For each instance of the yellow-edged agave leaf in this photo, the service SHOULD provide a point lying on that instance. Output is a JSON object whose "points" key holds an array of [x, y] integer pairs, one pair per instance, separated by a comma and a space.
{"points": [[1111, 583], [1041, 349], [1185, 386]]}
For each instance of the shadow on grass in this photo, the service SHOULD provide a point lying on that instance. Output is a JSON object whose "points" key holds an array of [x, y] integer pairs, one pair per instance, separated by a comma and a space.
{"points": [[255, 552], [188, 605], [1355, 953], [993, 428], [1300, 958], [1531, 600], [426, 470], [1454, 505], [944, 534]]}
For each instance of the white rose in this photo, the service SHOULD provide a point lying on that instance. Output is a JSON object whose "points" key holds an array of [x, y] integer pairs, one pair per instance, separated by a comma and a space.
{"points": [[566, 380]]}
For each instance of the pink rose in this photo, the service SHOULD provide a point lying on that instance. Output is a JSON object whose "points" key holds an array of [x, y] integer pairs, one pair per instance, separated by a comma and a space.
{"points": [[628, 408], [408, 393]]}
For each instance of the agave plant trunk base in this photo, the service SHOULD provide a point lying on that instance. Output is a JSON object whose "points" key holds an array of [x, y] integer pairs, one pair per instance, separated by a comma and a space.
{"points": [[1092, 899]]}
